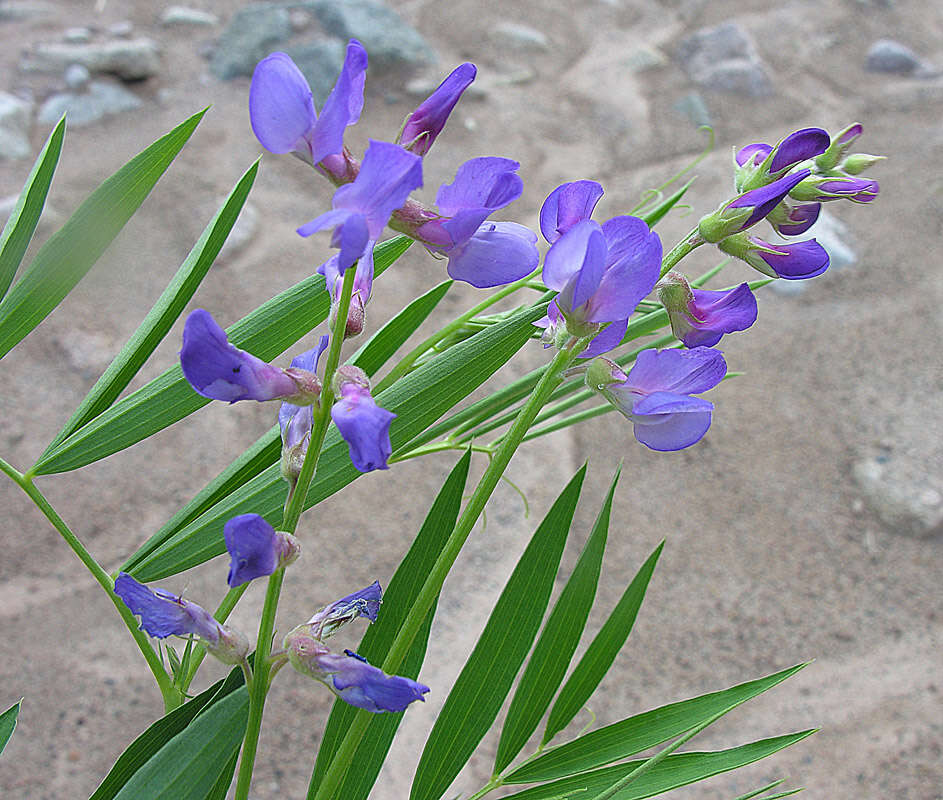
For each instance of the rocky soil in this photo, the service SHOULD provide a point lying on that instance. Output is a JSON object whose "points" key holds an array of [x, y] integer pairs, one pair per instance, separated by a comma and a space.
{"points": [[806, 525]]}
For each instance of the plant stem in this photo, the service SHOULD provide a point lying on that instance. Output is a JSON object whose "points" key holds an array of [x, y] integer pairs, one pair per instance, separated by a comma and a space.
{"points": [[173, 697], [680, 250], [290, 517], [407, 362], [441, 447], [551, 378]]}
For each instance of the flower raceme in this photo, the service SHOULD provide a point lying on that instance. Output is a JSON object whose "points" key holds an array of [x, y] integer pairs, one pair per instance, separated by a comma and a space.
{"points": [[219, 370], [656, 393], [699, 317]]}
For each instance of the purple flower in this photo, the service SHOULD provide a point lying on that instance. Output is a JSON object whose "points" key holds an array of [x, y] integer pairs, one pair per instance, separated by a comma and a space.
{"points": [[294, 421], [362, 603], [221, 371], [749, 208], [840, 145], [481, 253], [165, 614], [362, 208], [699, 318], [360, 684], [281, 109], [822, 189], [601, 273], [794, 262], [361, 422], [427, 121], [792, 220], [567, 205], [256, 548], [760, 164], [655, 395]]}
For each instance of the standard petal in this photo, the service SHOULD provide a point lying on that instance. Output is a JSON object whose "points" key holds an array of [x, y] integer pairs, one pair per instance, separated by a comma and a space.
{"points": [[498, 253], [281, 110], [679, 371], [343, 105], [566, 256], [633, 264], [797, 147], [753, 154], [766, 198], [567, 205], [712, 314], [427, 121], [351, 237], [488, 182], [795, 262]]}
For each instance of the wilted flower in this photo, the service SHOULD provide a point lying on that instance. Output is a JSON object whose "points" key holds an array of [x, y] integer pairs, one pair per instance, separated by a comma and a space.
{"points": [[256, 548], [427, 121], [655, 395], [165, 614], [794, 262], [221, 371], [282, 113], [294, 421], [362, 603], [699, 317], [760, 164], [361, 422]]}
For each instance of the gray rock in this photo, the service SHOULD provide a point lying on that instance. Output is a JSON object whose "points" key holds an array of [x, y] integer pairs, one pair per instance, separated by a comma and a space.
{"points": [[131, 60], [13, 11], [320, 62], [121, 30], [389, 40], [77, 35], [14, 126], [693, 107], [76, 76], [181, 15], [886, 55], [521, 36], [250, 35], [724, 59], [903, 493], [101, 99]]}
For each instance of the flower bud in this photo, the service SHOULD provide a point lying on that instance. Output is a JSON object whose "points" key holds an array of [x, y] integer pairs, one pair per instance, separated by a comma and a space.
{"points": [[349, 374], [857, 163], [427, 121], [793, 262], [839, 145], [820, 188]]}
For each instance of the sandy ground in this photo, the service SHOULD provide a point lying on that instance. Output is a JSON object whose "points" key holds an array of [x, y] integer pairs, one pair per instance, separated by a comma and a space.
{"points": [[772, 557]]}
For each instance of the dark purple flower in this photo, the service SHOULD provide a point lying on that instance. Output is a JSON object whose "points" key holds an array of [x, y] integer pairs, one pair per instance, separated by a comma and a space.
{"points": [[792, 220], [166, 614], [821, 189], [794, 262], [362, 208], [760, 164], [655, 395], [256, 548], [361, 422], [753, 154], [481, 253], [221, 371], [567, 205], [699, 318], [427, 121], [362, 603], [281, 109]]}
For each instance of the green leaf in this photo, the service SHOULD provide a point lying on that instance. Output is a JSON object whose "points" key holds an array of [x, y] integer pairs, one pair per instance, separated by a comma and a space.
{"points": [[164, 312], [557, 643], [266, 332], [640, 732], [18, 231], [70, 252], [676, 770], [658, 212], [486, 678], [142, 749], [8, 723], [221, 789], [380, 347], [189, 766], [418, 399], [602, 651], [397, 600]]}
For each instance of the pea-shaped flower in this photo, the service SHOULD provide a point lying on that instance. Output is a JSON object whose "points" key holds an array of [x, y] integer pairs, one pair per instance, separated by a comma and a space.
{"points": [[700, 317], [793, 262], [256, 549], [427, 121], [361, 422]]}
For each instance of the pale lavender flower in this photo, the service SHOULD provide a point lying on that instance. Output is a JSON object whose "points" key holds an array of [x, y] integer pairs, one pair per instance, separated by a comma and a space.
{"points": [[794, 262], [700, 317], [362, 603], [361, 422], [427, 121], [656, 394]]}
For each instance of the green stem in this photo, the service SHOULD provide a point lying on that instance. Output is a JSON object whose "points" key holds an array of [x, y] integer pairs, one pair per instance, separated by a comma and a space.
{"points": [[290, 517], [222, 613], [680, 250], [551, 378], [407, 362], [441, 447], [173, 697]]}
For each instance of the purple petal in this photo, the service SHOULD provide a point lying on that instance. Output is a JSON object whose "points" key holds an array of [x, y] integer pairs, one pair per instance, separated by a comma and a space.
{"points": [[428, 120], [250, 541], [281, 110], [498, 253], [295, 423], [755, 154], [362, 685], [488, 182], [343, 105], [567, 205], [666, 421], [351, 236], [677, 371], [583, 285], [610, 337], [565, 257], [364, 426], [799, 146], [457, 229], [218, 370], [852, 132], [795, 262], [859, 190], [715, 313], [308, 360], [362, 603], [164, 614], [326, 220], [799, 219], [766, 198]]}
